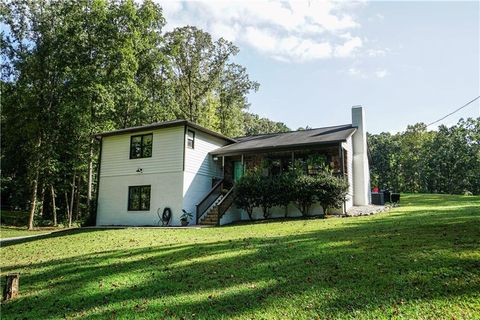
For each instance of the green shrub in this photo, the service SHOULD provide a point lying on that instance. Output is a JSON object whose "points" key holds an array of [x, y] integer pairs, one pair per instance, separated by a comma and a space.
{"points": [[283, 189], [303, 192], [256, 190], [247, 192], [330, 191], [267, 193]]}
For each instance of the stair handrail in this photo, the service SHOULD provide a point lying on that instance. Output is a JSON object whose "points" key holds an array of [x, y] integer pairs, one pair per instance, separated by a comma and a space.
{"points": [[208, 200], [225, 203]]}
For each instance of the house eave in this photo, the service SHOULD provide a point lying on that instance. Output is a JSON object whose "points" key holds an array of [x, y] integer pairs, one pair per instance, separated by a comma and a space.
{"points": [[290, 147], [161, 125]]}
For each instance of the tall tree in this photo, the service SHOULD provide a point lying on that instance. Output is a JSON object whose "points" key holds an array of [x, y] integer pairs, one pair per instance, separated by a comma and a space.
{"points": [[234, 86], [417, 160], [74, 68], [254, 124], [197, 64]]}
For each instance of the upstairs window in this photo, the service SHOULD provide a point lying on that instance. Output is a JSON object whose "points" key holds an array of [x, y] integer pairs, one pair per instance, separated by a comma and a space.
{"points": [[191, 139], [139, 198], [141, 146]]}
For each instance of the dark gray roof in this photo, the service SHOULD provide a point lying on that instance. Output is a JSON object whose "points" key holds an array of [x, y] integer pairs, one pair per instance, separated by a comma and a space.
{"points": [[166, 124], [288, 140]]}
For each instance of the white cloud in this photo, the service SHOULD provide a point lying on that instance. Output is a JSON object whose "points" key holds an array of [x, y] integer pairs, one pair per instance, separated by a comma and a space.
{"points": [[354, 72], [376, 53], [348, 48], [295, 30], [287, 48], [381, 73], [363, 73]]}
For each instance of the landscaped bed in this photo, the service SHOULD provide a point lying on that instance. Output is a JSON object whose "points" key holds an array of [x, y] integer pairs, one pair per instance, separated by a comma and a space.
{"points": [[420, 260]]}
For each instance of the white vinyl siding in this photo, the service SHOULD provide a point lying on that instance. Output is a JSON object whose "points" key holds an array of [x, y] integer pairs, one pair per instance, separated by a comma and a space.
{"points": [[163, 171], [200, 168], [167, 153], [198, 160], [171, 185], [166, 191]]}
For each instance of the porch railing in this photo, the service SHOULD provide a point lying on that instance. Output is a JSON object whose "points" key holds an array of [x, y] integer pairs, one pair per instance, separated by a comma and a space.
{"points": [[208, 200]]}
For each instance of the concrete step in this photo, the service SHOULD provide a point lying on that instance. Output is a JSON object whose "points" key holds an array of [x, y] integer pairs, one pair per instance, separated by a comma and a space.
{"points": [[208, 223]]}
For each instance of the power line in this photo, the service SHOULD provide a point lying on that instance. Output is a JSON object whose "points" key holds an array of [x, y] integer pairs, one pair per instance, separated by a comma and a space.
{"points": [[468, 103]]}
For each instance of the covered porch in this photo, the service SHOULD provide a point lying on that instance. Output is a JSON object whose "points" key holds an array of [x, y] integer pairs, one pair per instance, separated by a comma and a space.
{"points": [[311, 150]]}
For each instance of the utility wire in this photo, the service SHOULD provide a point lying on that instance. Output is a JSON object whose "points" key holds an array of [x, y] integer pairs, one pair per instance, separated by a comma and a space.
{"points": [[468, 103]]}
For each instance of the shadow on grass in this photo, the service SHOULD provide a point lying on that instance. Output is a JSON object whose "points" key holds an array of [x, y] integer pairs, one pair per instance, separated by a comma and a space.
{"points": [[365, 266]]}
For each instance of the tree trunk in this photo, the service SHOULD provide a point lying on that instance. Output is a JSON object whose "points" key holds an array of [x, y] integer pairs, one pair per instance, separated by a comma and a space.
{"points": [[250, 213], [90, 177], [77, 201], [33, 199], [42, 197], [67, 204], [70, 211], [54, 209], [11, 286], [266, 213]]}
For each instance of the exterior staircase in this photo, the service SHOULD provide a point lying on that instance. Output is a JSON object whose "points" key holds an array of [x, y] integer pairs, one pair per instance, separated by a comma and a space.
{"points": [[213, 206], [218, 208], [211, 217]]}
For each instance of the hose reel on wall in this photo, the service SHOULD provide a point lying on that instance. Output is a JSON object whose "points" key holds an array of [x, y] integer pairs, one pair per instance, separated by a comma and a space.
{"points": [[165, 217]]}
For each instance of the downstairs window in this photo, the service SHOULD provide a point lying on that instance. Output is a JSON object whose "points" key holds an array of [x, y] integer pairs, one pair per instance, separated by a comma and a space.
{"points": [[139, 198]]}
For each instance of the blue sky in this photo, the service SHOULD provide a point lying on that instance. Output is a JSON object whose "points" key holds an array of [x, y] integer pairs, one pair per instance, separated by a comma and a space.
{"points": [[405, 62]]}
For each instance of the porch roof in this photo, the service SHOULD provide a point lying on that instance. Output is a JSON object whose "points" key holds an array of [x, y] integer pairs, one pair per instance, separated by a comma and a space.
{"points": [[287, 140]]}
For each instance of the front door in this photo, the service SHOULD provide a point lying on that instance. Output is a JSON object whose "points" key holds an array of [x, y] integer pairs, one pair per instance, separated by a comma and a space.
{"points": [[237, 170]]}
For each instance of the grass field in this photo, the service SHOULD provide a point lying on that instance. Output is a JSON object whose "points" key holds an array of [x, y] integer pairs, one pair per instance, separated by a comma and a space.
{"points": [[11, 232], [13, 224], [420, 261]]}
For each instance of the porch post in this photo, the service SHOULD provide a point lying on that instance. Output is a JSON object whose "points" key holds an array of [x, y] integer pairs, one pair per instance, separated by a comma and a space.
{"points": [[342, 167], [243, 165], [342, 164], [223, 167], [293, 159]]}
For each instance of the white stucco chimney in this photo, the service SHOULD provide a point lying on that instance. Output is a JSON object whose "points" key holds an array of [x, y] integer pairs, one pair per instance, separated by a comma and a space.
{"points": [[361, 171]]}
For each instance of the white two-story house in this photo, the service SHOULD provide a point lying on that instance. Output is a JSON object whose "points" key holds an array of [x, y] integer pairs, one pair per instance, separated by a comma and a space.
{"points": [[180, 165]]}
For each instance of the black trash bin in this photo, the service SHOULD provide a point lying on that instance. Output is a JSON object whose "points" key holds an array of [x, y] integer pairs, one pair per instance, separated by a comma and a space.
{"points": [[378, 199], [386, 196], [395, 198]]}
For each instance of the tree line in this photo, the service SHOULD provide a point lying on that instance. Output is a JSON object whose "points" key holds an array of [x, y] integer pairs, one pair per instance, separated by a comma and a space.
{"points": [[71, 69], [419, 160]]}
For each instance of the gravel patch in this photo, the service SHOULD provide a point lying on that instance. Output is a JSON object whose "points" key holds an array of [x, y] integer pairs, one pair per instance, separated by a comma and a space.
{"points": [[357, 211]]}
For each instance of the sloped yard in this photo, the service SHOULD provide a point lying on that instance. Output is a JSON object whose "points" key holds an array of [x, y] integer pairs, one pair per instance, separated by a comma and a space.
{"points": [[421, 260]]}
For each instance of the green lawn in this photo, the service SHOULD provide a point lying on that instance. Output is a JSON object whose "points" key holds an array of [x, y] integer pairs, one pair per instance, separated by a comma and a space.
{"points": [[420, 261], [11, 232]]}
